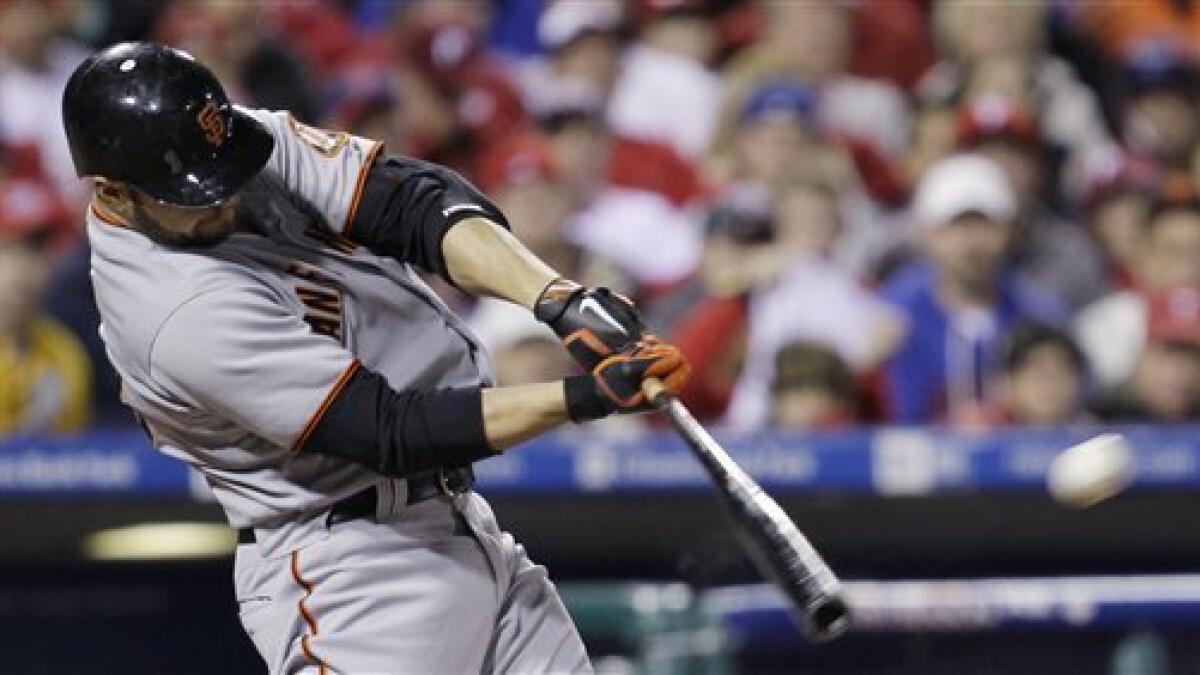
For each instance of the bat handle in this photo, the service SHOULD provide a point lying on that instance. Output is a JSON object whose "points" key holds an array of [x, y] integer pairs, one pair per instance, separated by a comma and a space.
{"points": [[655, 391]]}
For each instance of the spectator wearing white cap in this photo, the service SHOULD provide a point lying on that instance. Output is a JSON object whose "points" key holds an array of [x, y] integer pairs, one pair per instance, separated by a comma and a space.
{"points": [[958, 297], [582, 51], [582, 37]]}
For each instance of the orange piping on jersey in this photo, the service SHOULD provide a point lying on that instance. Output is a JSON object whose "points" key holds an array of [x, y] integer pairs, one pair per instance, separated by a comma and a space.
{"points": [[333, 393], [358, 185], [309, 619], [106, 215]]}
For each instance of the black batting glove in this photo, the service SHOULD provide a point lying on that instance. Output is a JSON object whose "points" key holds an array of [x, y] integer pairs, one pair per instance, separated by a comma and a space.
{"points": [[593, 323]]}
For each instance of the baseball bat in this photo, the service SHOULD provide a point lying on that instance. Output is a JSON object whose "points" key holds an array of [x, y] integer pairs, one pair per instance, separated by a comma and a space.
{"points": [[776, 546]]}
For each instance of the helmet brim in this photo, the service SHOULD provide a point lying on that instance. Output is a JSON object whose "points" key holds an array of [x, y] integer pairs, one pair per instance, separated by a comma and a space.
{"points": [[245, 152]]}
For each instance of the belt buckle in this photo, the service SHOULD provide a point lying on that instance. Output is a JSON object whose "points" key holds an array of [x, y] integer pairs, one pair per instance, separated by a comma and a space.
{"points": [[453, 485]]}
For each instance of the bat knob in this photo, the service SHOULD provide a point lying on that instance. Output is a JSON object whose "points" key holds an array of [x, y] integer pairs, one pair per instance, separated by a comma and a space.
{"points": [[827, 618], [655, 391]]}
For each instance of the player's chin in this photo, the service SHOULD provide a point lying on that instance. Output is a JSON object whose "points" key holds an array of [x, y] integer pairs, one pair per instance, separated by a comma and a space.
{"points": [[196, 240], [204, 234]]}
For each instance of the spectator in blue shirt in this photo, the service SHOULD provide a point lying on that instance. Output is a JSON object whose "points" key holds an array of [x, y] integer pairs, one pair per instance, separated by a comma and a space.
{"points": [[958, 295]]}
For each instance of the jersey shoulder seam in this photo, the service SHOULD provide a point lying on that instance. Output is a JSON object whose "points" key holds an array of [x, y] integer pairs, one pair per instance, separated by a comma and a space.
{"points": [[167, 319]]}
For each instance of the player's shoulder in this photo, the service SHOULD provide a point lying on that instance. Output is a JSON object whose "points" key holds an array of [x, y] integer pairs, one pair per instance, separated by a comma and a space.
{"points": [[327, 168], [140, 286], [179, 309], [290, 133]]}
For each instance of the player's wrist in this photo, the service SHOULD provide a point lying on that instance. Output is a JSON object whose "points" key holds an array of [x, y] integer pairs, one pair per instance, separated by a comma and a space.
{"points": [[593, 323], [554, 300], [585, 399]]}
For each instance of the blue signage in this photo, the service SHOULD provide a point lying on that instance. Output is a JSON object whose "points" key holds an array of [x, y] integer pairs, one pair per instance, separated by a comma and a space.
{"points": [[886, 461]]}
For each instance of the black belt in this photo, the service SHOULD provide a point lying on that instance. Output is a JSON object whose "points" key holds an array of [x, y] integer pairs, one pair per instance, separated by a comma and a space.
{"points": [[365, 504]]}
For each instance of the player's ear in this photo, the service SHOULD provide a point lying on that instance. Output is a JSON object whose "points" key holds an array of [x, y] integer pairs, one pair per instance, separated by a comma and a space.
{"points": [[114, 194]]}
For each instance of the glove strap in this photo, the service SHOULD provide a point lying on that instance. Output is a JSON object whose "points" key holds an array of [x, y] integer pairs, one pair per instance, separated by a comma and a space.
{"points": [[555, 298]]}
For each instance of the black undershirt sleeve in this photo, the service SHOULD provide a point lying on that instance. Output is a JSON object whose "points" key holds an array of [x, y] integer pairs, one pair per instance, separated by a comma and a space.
{"points": [[406, 207], [401, 433]]}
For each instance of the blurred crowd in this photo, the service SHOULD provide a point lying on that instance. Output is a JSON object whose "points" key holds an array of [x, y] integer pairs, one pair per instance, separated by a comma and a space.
{"points": [[965, 212]]}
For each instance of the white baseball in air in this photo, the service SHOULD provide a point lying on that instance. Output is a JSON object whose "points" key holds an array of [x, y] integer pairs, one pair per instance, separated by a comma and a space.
{"points": [[1092, 471]]}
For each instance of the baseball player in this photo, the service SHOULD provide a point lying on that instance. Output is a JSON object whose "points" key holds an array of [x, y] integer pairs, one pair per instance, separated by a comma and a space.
{"points": [[255, 278]]}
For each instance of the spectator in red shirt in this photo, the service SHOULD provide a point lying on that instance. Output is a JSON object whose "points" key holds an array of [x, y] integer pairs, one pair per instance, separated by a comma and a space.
{"points": [[458, 97], [768, 281], [712, 329]]}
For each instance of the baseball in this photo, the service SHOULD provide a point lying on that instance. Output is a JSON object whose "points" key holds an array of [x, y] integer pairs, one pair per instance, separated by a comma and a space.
{"points": [[1092, 471]]}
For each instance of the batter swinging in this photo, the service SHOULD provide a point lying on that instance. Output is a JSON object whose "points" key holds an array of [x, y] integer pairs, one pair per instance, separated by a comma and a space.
{"points": [[258, 299]]}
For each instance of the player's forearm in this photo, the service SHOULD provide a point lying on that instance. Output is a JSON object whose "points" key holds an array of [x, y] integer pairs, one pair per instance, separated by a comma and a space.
{"points": [[402, 433], [484, 259], [518, 413]]}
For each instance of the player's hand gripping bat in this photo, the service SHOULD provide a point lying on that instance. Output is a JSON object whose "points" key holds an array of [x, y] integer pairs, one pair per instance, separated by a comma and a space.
{"points": [[776, 546]]}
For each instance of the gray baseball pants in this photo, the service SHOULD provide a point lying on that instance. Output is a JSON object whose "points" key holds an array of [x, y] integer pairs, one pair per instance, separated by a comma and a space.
{"points": [[430, 588]]}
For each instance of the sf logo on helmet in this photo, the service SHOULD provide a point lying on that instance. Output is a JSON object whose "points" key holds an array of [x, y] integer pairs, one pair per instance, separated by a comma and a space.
{"points": [[211, 123]]}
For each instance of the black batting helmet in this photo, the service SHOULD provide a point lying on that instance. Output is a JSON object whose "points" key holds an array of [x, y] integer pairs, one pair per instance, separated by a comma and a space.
{"points": [[156, 118]]}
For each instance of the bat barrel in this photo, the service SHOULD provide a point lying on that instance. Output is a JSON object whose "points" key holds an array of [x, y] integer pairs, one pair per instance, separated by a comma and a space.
{"points": [[769, 537]]}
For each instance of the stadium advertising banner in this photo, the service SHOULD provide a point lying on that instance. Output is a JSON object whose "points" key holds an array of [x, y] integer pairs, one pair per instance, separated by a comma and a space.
{"points": [[892, 461]]}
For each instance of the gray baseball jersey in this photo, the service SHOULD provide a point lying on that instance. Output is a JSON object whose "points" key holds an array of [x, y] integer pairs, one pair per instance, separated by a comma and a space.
{"points": [[229, 355]]}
